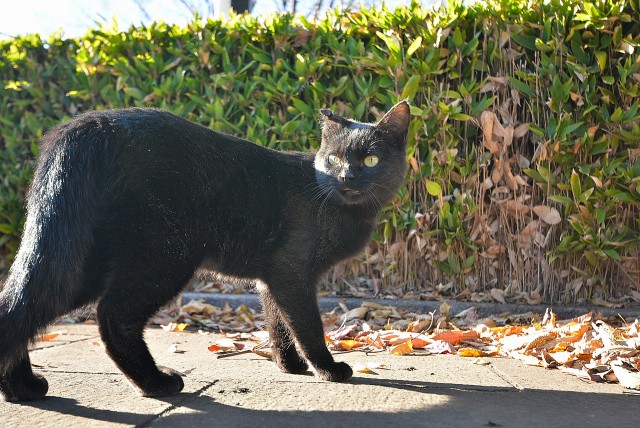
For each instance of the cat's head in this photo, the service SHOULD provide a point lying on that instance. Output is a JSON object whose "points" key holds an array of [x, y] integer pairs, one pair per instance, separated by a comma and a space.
{"points": [[361, 163]]}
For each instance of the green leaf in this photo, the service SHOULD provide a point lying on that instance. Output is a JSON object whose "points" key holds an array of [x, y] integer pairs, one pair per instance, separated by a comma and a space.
{"points": [[8, 229], [458, 41], [591, 258], [576, 187], [433, 188], [561, 199], [391, 42], [461, 116], [526, 41], [613, 254], [414, 46], [584, 197], [411, 87], [542, 46], [601, 57], [624, 196], [522, 87]]}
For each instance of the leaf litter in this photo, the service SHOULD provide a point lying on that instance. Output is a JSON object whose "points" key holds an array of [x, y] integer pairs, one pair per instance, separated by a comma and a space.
{"points": [[590, 347]]}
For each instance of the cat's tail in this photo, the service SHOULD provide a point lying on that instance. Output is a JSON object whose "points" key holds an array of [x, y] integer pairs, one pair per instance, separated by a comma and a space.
{"points": [[45, 279]]}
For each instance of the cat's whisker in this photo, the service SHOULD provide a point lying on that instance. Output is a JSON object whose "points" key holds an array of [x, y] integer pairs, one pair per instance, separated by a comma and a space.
{"points": [[377, 204], [324, 202], [320, 193]]}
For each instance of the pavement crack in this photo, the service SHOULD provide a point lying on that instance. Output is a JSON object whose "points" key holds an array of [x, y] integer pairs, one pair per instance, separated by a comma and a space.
{"points": [[506, 378], [187, 399]]}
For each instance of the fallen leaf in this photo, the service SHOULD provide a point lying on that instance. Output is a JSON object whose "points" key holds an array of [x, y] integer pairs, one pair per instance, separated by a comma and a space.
{"points": [[627, 378], [356, 313], [265, 354], [471, 352], [172, 326], [365, 370], [440, 347], [47, 337], [418, 343], [402, 349], [454, 337], [481, 362], [348, 345], [342, 332], [368, 367]]}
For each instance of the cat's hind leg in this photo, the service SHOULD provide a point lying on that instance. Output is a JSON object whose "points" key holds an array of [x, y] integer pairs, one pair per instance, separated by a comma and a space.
{"points": [[283, 346], [122, 315], [20, 383]]}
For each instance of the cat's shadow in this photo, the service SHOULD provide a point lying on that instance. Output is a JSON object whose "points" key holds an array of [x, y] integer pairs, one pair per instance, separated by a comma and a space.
{"points": [[484, 403], [204, 404]]}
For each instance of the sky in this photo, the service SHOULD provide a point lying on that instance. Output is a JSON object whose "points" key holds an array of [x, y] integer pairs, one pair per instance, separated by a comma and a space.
{"points": [[74, 17]]}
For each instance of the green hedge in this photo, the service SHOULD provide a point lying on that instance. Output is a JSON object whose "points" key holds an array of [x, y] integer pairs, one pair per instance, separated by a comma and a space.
{"points": [[523, 147]]}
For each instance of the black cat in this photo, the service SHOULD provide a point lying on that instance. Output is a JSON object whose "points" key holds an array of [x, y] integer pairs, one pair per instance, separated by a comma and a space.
{"points": [[127, 204]]}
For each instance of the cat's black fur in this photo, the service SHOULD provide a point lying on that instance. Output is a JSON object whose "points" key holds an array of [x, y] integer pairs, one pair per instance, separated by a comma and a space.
{"points": [[127, 204]]}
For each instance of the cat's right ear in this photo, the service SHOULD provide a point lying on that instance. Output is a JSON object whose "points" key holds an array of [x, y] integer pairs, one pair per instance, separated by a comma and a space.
{"points": [[331, 122], [397, 119]]}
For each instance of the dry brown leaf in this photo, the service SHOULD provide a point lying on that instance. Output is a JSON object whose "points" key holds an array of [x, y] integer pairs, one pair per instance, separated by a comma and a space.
{"points": [[534, 298], [547, 214], [508, 177], [263, 353], [521, 130], [356, 313], [414, 164], [498, 295], [496, 173], [517, 207], [532, 227], [487, 119]]}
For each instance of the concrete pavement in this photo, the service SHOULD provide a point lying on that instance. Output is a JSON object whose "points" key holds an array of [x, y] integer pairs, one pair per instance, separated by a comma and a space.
{"points": [[86, 389]]}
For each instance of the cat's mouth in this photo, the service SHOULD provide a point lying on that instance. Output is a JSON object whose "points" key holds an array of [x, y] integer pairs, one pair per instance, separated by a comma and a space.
{"points": [[351, 196]]}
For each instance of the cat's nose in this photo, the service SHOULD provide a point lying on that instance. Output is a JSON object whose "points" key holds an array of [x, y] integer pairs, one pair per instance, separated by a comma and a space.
{"points": [[346, 175]]}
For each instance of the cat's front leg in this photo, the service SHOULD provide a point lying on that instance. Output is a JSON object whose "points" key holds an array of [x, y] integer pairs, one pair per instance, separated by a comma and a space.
{"points": [[285, 354], [298, 308]]}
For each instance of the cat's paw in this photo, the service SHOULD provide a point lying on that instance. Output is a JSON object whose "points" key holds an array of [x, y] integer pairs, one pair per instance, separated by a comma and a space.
{"points": [[292, 365], [337, 372], [27, 387], [168, 382]]}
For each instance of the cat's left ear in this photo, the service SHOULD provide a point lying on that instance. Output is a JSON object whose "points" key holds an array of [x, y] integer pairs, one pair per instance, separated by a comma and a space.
{"points": [[397, 119]]}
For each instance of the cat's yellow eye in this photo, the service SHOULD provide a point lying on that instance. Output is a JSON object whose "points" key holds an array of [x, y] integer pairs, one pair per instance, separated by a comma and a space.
{"points": [[334, 160], [371, 161]]}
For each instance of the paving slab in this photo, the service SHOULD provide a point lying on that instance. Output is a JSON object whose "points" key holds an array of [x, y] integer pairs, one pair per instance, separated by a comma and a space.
{"points": [[86, 389]]}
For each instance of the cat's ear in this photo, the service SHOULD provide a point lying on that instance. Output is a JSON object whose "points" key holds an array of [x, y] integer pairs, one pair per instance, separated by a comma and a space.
{"points": [[397, 119], [331, 122]]}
